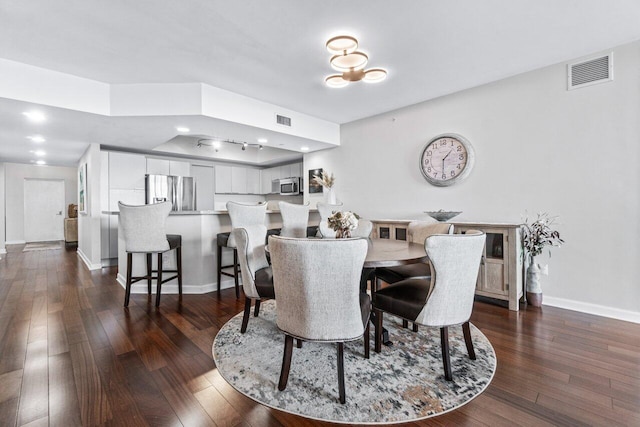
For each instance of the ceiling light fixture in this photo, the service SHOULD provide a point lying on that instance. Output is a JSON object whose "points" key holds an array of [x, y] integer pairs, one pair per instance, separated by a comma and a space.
{"points": [[36, 138], [35, 116], [182, 129], [41, 162], [263, 140], [216, 143], [304, 148], [350, 62], [38, 152]]}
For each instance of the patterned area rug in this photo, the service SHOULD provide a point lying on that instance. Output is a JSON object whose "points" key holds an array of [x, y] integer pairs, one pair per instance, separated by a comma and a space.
{"points": [[42, 246], [403, 383]]}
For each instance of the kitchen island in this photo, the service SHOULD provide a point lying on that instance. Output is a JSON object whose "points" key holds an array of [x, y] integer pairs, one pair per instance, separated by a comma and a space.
{"points": [[199, 230]]}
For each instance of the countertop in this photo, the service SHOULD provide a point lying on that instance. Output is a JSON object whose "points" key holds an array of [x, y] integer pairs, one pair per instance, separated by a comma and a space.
{"points": [[201, 212]]}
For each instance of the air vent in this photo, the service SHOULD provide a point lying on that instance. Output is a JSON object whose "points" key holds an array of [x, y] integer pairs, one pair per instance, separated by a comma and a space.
{"points": [[282, 120], [593, 71]]}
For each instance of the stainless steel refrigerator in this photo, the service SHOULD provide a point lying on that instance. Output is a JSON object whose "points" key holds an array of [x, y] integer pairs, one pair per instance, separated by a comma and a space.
{"points": [[179, 190]]}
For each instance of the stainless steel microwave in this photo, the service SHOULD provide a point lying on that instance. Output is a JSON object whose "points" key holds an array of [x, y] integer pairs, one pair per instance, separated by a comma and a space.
{"points": [[290, 186]]}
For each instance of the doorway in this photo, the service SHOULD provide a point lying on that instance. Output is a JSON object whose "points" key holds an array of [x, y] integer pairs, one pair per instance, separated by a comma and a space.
{"points": [[43, 210]]}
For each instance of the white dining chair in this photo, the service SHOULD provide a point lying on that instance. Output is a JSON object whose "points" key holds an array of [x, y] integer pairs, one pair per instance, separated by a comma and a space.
{"points": [[295, 219]]}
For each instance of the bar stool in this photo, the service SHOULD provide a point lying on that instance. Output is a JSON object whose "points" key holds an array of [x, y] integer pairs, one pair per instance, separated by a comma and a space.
{"points": [[143, 231], [241, 215]]}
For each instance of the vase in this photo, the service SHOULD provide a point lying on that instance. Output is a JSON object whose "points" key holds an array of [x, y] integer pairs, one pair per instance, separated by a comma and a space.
{"points": [[534, 290], [343, 233], [330, 196]]}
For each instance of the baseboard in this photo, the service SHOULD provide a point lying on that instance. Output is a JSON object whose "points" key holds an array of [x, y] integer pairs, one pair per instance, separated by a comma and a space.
{"points": [[171, 288], [15, 242], [86, 261], [3, 251], [598, 310]]}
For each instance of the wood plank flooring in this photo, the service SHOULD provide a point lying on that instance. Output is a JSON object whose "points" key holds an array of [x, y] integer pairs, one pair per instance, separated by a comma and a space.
{"points": [[71, 355]]}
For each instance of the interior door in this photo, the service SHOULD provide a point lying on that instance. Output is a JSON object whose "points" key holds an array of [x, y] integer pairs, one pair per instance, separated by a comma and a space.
{"points": [[43, 210]]}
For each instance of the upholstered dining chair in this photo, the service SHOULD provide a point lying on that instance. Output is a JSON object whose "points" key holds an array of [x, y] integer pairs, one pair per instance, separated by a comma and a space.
{"points": [[364, 229], [446, 299], [257, 279], [143, 230], [295, 219], [317, 286], [326, 210], [241, 215]]}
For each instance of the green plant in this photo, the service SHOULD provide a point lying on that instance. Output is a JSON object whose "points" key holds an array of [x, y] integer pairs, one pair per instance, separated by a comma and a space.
{"points": [[539, 234]]}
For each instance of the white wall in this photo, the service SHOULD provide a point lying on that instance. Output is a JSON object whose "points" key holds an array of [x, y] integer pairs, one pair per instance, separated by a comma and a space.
{"points": [[89, 224], [15, 174], [3, 214], [538, 147]]}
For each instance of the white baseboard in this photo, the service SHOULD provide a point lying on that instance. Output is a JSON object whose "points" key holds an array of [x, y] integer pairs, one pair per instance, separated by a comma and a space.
{"points": [[89, 264], [172, 288], [598, 310], [3, 251], [15, 242]]}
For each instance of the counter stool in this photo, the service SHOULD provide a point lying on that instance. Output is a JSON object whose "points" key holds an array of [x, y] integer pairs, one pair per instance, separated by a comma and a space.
{"points": [[241, 215], [143, 231]]}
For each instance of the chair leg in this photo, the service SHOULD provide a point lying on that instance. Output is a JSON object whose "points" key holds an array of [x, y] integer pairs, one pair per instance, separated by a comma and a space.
{"points": [[245, 317], [341, 372], [256, 310], [405, 323], [286, 362], [467, 340], [159, 287], [415, 327], [298, 343], [149, 271], [179, 265], [219, 260], [235, 272], [127, 291], [367, 343], [446, 360], [378, 332]]}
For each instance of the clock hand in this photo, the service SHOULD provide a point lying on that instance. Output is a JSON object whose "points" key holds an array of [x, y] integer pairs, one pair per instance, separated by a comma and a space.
{"points": [[445, 158]]}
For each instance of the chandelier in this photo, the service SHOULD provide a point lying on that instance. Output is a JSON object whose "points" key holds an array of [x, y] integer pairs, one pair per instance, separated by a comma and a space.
{"points": [[216, 143], [350, 62]]}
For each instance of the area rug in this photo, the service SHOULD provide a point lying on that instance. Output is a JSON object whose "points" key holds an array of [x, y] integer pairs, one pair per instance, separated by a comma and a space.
{"points": [[405, 382], [42, 246]]}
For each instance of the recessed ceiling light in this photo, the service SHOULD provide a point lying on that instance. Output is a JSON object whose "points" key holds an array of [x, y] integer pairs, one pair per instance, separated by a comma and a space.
{"points": [[182, 129], [36, 138], [41, 162], [304, 148], [263, 140], [35, 116], [39, 152]]}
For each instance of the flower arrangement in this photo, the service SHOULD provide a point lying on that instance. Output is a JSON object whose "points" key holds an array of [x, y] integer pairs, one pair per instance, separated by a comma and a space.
{"points": [[343, 223], [539, 234], [325, 180]]}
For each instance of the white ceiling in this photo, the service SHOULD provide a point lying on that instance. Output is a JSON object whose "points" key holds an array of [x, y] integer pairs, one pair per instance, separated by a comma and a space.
{"points": [[274, 51]]}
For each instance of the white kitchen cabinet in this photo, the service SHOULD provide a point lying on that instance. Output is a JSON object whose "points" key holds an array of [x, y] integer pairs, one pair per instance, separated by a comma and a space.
{"points": [[203, 176], [296, 169], [223, 179], [158, 166], [178, 168], [253, 181], [238, 180], [285, 171], [265, 181], [126, 171]]}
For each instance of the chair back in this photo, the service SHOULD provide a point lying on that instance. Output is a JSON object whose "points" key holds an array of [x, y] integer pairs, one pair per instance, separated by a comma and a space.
{"points": [[317, 286], [454, 260], [364, 229], [243, 215], [250, 242], [418, 231], [143, 227], [326, 210], [295, 219]]}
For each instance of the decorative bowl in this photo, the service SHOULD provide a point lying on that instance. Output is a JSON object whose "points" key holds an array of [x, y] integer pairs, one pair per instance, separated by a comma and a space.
{"points": [[442, 215]]}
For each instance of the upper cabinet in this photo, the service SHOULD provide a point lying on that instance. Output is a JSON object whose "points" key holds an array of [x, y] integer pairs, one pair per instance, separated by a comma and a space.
{"points": [[253, 181], [168, 167], [126, 171], [238, 180], [223, 179]]}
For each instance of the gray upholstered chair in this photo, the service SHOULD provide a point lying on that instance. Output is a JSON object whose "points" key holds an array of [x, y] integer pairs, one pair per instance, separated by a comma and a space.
{"points": [[257, 279], [295, 219], [143, 232], [317, 286], [326, 210], [446, 299], [241, 215], [364, 229], [417, 232]]}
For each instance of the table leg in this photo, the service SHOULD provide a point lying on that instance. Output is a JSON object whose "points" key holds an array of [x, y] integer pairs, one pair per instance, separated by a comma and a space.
{"points": [[368, 274]]}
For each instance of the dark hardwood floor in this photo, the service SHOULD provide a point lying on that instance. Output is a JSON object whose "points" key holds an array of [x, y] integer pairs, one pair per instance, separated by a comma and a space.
{"points": [[70, 354]]}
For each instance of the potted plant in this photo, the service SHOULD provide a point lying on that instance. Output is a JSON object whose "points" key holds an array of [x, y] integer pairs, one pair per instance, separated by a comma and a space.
{"points": [[536, 236], [327, 180], [343, 223]]}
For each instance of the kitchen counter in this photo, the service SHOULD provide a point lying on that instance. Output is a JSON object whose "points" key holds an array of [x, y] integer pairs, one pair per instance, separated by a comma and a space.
{"points": [[174, 213]]}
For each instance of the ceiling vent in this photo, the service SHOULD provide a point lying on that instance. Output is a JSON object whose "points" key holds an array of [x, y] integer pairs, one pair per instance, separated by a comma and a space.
{"points": [[282, 120], [590, 72]]}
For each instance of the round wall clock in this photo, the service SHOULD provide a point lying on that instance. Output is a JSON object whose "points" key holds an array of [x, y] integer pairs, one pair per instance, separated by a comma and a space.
{"points": [[446, 159]]}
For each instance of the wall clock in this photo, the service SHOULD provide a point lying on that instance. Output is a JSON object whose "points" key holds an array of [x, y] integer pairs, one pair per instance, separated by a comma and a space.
{"points": [[446, 159]]}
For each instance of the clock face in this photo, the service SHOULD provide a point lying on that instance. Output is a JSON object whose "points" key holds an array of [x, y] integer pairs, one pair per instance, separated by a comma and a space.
{"points": [[446, 159]]}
